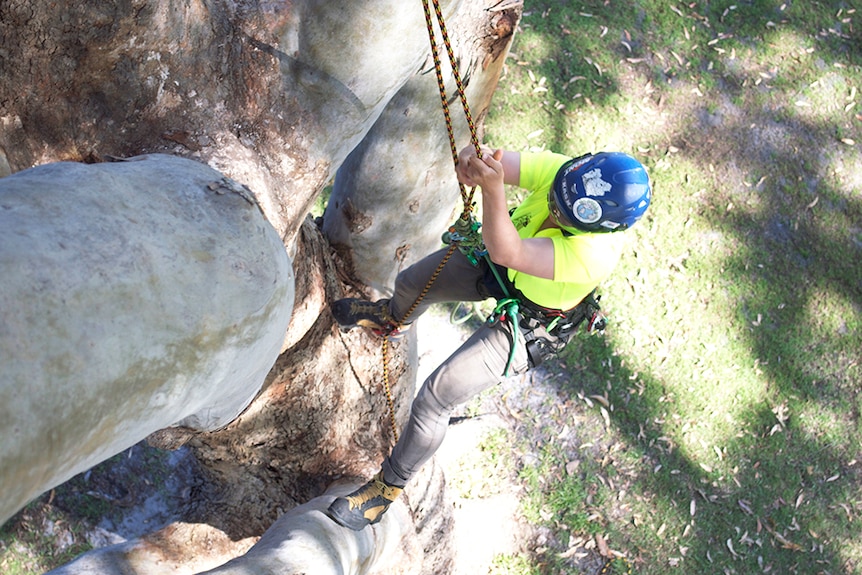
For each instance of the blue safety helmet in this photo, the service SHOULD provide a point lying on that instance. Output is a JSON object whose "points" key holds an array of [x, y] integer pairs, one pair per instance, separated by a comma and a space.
{"points": [[605, 192]]}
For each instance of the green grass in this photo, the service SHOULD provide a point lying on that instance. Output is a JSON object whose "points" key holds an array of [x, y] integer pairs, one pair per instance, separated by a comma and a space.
{"points": [[519, 564], [731, 364], [39, 538], [480, 474], [53, 529], [555, 495], [727, 437]]}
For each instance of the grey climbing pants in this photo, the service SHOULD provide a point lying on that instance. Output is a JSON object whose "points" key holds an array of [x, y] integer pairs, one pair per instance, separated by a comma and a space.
{"points": [[477, 365]]}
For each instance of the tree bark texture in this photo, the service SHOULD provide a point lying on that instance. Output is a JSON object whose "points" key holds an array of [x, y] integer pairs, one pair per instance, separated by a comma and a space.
{"points": [[278, 96], [302, 541], [406, 157], [273, 94], [135, 296]]}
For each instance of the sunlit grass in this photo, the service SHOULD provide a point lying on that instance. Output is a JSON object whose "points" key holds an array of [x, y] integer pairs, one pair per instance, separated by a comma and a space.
{"points": [[480, 474], [517, 564], [729, 373]]}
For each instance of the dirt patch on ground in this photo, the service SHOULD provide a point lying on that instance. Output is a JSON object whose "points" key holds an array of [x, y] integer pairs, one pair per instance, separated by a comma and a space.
{"points": [[490, 527]]}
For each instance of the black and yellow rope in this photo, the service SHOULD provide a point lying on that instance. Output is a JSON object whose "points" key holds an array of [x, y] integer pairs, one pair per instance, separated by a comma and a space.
{"points": [[462, 94], [612, 566], [466, 196]]}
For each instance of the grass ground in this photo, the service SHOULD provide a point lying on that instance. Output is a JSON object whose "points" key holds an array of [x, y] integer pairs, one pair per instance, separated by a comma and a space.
{"points": [[128, 495], [725, 432]]}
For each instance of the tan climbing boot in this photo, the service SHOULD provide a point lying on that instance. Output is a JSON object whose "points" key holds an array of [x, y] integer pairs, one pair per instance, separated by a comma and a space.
{"points": [[366, 505]]}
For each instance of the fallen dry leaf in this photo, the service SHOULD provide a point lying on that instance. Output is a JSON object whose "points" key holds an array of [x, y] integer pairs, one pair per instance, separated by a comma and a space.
{"points": [[846, 509], [606, 416], [785, 543], [602, 546], [729, 544], [601, 399]]}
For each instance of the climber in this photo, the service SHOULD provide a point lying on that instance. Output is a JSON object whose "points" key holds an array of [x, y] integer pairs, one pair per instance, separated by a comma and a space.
{"points": [[548, 255]]}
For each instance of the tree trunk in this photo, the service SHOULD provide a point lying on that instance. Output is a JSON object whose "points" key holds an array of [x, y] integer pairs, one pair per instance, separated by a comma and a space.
{"points": [[128, 305], [342, 424], [262, 92], [300, 542], [407, 159], [274, 95], [323, 414]]}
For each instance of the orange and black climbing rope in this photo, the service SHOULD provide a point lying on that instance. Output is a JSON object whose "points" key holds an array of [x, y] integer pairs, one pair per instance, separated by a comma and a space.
{"points": [[466, 196]]}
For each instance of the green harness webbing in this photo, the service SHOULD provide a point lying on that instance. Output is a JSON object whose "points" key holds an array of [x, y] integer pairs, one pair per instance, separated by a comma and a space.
{"points": [[506, 307], [466, 235]]}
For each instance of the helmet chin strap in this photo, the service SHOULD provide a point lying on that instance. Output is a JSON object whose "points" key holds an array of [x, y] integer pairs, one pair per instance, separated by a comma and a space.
{"points": [[553, 222]]}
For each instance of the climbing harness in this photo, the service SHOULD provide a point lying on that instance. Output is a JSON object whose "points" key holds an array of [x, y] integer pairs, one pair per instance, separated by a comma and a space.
{"points": [[507, 309]]}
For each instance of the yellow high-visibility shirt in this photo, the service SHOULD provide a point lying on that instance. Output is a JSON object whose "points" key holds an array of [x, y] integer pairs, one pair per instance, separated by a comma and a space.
{"points": [[581, 260]]}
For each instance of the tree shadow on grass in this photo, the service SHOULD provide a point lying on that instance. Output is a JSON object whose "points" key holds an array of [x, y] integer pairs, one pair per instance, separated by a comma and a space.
{"points": [[781, 501], [783, 491], [568, 57]]}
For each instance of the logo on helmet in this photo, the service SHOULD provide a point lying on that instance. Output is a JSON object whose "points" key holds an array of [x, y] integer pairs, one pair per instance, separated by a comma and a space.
{"points": [[594, 185], [587, 210]]}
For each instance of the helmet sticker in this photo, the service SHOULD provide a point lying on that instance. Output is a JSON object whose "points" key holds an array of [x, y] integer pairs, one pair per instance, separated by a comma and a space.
{"points": [[587, 210], [594, 185]]}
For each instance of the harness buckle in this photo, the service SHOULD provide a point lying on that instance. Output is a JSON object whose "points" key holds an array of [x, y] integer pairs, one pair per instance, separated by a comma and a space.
{"points": [[597, 323], [597, 320]]}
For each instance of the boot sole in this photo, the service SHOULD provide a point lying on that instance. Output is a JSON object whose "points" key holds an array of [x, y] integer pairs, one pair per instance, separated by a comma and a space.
{"points": [[350, 520]]}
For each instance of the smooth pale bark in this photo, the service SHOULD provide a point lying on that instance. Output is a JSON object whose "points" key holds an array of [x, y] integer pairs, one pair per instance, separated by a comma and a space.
{"points": [[135, 296], [301, 542], [272, 94], [406, 158], [164, 552], [305, 540]]}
